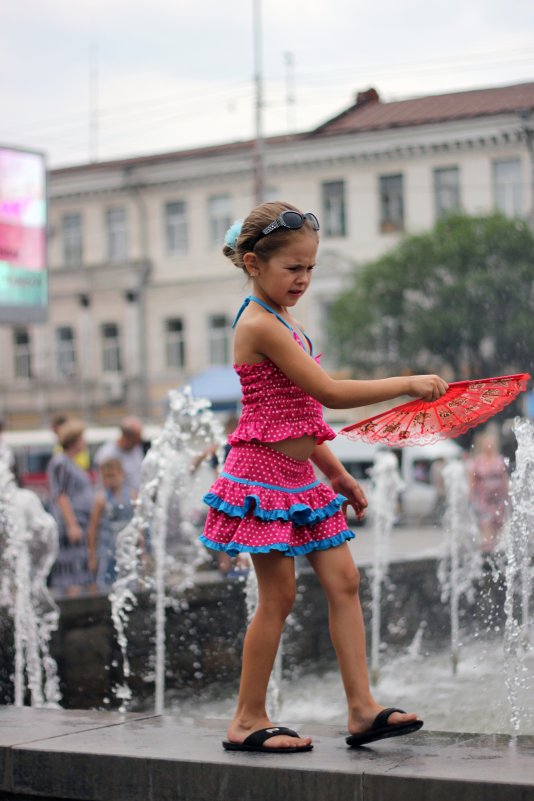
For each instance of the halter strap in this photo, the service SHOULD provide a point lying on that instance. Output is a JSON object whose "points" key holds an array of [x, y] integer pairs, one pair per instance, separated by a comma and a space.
{"points": [[278, 316]]}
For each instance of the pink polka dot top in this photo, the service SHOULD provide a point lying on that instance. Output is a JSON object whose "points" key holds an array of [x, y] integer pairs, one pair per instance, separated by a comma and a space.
{"points": [[274, 408]]}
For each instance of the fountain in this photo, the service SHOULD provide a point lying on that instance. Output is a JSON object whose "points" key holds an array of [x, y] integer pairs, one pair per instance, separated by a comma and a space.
{"points": [[157, 552], [519, 570], [461, 564], [162, 508], [386, 487], [28, 549], [457, 700]]}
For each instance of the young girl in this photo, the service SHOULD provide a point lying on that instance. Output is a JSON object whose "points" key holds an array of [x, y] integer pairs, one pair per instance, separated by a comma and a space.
{"points": [[267, 500]]}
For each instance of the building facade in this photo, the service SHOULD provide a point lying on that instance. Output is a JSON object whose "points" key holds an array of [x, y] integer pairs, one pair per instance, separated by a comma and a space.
{"points": [[141, 297]]}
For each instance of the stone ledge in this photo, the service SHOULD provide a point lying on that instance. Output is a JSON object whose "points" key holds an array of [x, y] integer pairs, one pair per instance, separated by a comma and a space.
{"points": [[104, 756]]}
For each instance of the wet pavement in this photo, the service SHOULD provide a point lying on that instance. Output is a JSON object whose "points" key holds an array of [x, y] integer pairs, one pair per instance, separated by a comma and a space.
{"points": [[100, 756], [406, 542]]}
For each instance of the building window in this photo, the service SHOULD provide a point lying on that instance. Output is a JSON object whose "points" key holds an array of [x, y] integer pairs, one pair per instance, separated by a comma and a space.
{"points": [[220, 217], [22, 355], [174, 343], [507, 187], [117, 234], [176, 227], [334, 208], [71, 231], [111, 348], [446, 190], [65, 351], [391, 203], [219, 335]]}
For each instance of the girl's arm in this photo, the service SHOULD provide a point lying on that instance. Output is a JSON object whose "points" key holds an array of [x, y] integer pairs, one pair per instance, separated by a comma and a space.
{"points": [[92, 530], [340, 479], [261, 335], [74, 532]]}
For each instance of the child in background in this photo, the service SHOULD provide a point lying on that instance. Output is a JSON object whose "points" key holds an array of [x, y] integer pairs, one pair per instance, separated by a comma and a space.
{"points": [[111, 511], [267, 500]]}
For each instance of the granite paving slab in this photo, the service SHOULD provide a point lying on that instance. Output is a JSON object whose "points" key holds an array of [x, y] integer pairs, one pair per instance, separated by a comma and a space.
{"points": [[26, 725], [108, 757]]}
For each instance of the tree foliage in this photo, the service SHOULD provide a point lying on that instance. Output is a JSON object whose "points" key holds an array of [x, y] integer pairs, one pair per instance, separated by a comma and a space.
{"points": [[461, 295]]}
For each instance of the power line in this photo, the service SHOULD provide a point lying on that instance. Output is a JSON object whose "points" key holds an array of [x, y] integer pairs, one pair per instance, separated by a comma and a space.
{"points": [[189, 103], [80, 118], [311, 78]]}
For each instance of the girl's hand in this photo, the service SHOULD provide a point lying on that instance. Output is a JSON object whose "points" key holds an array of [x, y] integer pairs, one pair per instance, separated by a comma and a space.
{"points": [[427, 387], [74, 534], [92, 562], [346, 485]]}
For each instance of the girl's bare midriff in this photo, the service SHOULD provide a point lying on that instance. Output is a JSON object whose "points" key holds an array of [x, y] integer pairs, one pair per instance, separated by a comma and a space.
{"points": [[300, 448]]}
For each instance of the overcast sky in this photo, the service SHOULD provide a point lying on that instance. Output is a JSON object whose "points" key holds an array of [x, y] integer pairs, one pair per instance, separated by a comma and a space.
{"points": [[169, 74]]}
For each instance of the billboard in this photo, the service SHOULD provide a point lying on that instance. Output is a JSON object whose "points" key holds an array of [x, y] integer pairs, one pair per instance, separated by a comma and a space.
{"points": [[23, 267]]}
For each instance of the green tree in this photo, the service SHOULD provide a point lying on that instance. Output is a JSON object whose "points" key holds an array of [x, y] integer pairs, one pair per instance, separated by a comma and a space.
{"points": [[460, 295]]}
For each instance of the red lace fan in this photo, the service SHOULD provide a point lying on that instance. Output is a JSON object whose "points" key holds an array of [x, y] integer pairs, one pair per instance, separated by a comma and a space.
{"points": [[418, 422]]}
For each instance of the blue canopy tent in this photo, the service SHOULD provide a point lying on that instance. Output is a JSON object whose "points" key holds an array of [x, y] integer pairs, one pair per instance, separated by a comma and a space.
{"points": [[220, 385]]}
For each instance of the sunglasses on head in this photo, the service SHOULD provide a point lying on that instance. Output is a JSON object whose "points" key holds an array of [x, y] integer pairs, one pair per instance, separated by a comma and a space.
{"points": [[291, 220]]}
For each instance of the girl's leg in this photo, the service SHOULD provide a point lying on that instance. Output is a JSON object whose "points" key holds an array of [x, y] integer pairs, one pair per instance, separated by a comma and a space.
{"points": [[276, 595], [339, 578]]}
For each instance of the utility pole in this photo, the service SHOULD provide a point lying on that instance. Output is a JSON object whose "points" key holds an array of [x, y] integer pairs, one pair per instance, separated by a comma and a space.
{"points": [[289, 60], [93, 102], [259, 170]]}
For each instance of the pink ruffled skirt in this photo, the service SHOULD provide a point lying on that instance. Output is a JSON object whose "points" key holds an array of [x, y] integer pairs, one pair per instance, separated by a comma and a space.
{"points": [[264, 500]]}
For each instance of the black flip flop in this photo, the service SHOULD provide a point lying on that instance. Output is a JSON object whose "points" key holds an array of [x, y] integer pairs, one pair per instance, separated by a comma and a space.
{"points": [[254, 742], [380, 729]]}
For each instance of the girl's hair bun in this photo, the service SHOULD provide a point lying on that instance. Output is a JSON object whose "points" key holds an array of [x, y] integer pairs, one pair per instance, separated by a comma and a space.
{"points": [[232, 234]]}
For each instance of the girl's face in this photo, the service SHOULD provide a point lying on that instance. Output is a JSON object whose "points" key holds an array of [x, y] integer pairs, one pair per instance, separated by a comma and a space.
{"points": [[285, 277]]}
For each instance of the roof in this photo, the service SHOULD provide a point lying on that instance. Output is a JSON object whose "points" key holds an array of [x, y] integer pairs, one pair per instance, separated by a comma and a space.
{"points": [[369, 113], [226, 148]]}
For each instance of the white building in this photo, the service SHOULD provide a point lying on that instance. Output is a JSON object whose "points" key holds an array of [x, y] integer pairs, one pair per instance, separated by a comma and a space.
{"points": [[141, 297]]}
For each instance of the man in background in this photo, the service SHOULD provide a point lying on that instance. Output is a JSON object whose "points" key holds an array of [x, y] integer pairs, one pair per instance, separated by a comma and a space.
{"points": [[128, 449]]}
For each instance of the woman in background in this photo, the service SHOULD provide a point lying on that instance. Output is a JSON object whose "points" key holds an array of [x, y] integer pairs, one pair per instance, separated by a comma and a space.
{"points": [[488, 488], [71, 495]]}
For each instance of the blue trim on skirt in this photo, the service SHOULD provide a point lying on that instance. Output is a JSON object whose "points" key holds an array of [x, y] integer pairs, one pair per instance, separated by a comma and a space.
{"points": [[234, 548], [301, 514]]}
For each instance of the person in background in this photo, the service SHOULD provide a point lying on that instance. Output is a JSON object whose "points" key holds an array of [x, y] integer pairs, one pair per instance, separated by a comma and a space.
{"points": [[438, 482], [128, 449], [112, 509], [83, 458], [488, 489], [72, 495]]}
